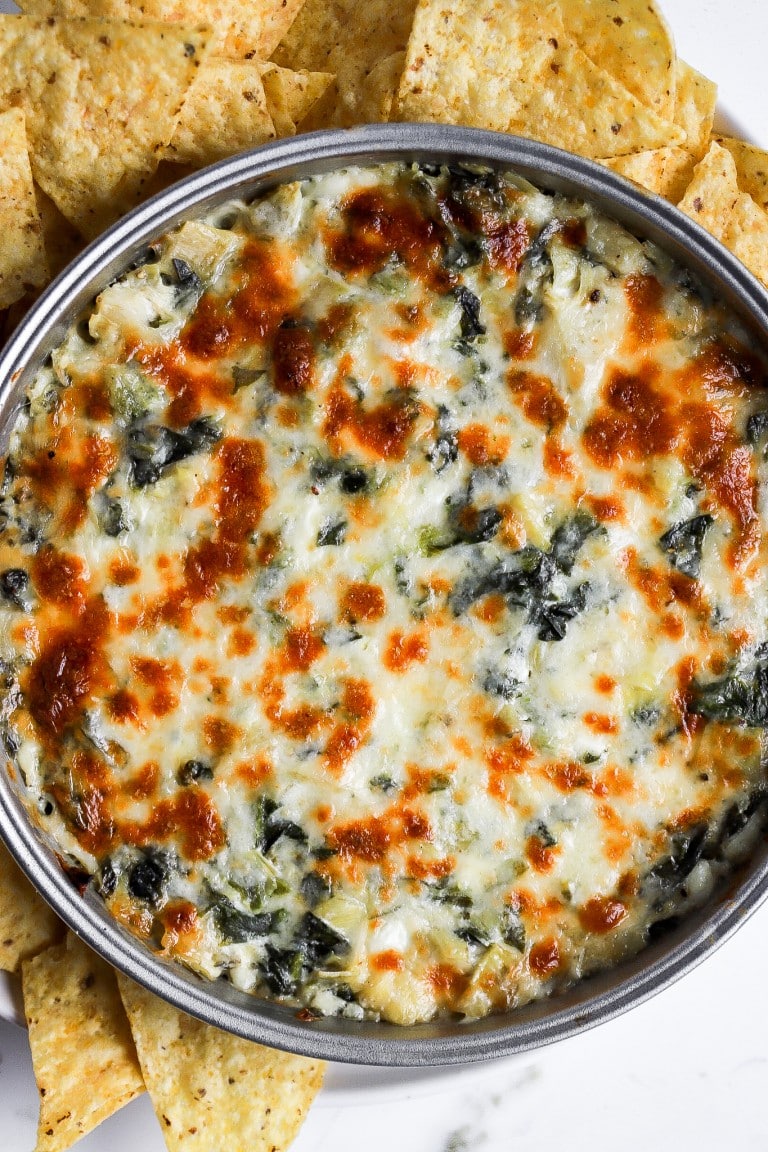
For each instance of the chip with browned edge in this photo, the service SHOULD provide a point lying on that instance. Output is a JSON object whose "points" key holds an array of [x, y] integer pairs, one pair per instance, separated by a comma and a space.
{"points": [[213, 1091], [27, 924], [512, 68], [712, 193], [631, 40], [82, 1052], [22, 254], [347, 38], [101, 101], [239, 27]]}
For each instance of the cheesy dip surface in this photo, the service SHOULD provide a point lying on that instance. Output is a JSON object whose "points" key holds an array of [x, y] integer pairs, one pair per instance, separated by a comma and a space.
{"points": [[383, 593]]}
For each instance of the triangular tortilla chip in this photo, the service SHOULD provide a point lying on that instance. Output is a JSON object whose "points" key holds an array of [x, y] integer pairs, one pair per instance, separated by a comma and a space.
{"points": [[213, 1091], [347, 38], [239, 28], [82, 1052], [666, 171], [712, 193], [225, 112], [695, 108], [27, 924], [62, 239], [747, 236], [101, 101], [380, 88], [751, 167], [22, 254], [511, 67], [291, 96], [632, 41]]}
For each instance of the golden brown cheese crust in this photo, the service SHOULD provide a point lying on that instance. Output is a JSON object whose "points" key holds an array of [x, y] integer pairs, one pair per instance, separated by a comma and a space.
{"points": [[383, 593]]}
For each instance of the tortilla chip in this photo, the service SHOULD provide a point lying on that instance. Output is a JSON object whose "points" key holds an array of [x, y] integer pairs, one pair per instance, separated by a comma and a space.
{"points": [[710, 197], [101, 101], [27, 924], [211, 1090], [666, 171], [751, 168], [22, 255], [695, 108], [238, 28], [510, 67], [82, 1052], [747, 236], [62, 240], [292, 95], [347, 38], [225, 112], [380, 88], [632, 41]]}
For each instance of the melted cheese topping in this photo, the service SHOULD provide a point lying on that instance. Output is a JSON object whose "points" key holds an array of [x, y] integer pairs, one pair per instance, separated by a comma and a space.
{"points": [[384, 599]]}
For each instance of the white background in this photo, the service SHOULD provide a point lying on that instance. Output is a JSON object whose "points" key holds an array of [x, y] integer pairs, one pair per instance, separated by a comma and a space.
{"points": [[688, 1070]]}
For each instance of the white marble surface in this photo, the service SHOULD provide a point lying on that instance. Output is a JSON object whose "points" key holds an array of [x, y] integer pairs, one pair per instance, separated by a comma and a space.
{"points": [[685, 1070]]}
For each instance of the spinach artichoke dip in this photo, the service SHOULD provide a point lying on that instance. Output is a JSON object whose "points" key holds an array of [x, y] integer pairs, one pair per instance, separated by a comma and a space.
{"points": [[383, 593]]}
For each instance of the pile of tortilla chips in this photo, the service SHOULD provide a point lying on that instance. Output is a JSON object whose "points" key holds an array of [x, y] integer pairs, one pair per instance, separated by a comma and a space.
{"points": [[104, 102]]}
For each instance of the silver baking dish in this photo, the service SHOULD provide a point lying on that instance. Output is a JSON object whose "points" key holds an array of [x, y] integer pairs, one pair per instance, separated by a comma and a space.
{"points": [[594, 1000]]}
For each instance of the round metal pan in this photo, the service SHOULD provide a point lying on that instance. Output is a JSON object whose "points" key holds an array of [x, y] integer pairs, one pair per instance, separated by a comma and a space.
{"points": [[590, 1002]]}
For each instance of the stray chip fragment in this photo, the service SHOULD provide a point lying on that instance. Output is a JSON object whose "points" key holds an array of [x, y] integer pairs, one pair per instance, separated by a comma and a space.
{"points": [[747, 236], [348, 39], [225, 112], [238, 28], [712, 193], [82, 1052], [101, 101], [751, 168], [512, 68], [27, 924], [212, 1090], [631, 40], [291, 96], [22, 253]]}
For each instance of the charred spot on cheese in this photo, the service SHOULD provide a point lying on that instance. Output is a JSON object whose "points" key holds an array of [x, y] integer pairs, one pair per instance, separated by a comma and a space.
{"points": [[382, 596]]}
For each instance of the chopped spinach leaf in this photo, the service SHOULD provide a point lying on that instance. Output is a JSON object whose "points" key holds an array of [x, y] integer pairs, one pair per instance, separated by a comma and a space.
{"points": [[282, 969], [317, 940], [148, 878], [235, 927], [14, 587], [513, 929], [383, 783], [332, 533], [568, 539], [501, 684], [470, 324], [683, 544], [445, 449], [193, 770], [739, 698], [552, 617], [757, 426], [685, 852], [315, 887], [153, 448], [112, 517]]}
